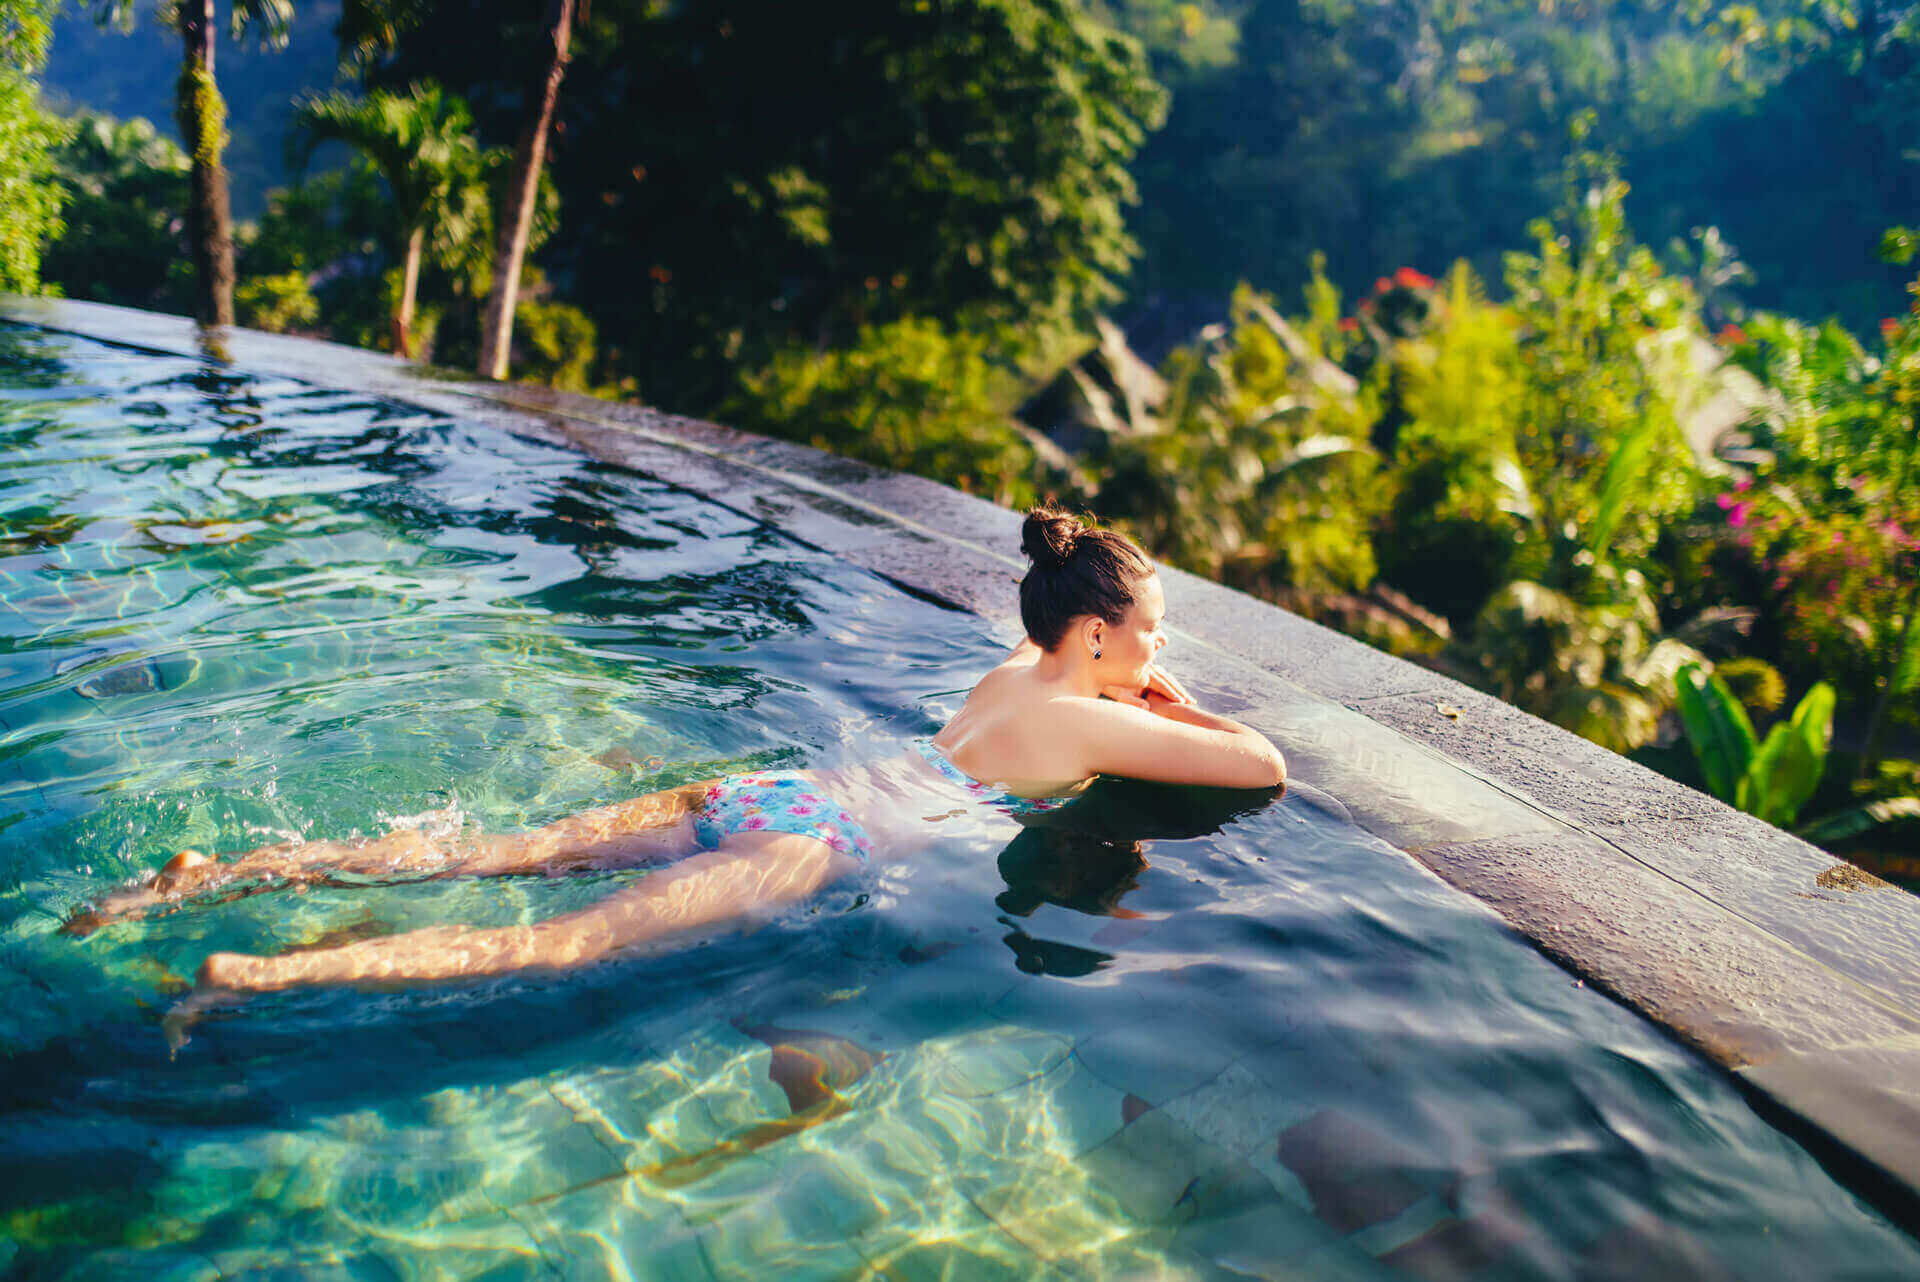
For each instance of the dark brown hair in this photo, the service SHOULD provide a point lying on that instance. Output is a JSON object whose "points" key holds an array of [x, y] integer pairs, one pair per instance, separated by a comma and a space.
{"points": [[1076, 570]]}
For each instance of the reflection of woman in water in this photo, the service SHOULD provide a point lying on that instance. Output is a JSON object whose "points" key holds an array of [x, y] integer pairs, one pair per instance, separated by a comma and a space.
{"points": [[1080, 696]]}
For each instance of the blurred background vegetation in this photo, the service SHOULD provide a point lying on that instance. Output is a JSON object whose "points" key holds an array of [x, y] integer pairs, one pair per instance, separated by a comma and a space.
{"points": [[1565, 346]]}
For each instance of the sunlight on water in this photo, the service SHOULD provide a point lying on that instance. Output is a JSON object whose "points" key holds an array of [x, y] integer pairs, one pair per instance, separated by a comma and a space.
{"points": [[1180, 1036]]}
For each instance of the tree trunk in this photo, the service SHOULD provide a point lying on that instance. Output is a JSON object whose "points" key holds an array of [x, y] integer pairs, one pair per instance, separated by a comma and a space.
{"points": [[202, 118], [409, 285], [515, 222]]}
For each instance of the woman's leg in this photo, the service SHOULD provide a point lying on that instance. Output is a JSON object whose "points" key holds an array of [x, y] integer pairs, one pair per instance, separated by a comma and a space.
{"points": [[749, 871], [620, 835]]}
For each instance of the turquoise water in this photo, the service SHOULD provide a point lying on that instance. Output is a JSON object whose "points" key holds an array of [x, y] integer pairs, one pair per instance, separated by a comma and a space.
{"points": [[1186, 1035]]}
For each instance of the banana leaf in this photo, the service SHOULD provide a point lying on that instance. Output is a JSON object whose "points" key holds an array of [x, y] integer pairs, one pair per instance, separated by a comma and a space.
{"points": [[1782, 777], [1859, 820], [1718, 731]]}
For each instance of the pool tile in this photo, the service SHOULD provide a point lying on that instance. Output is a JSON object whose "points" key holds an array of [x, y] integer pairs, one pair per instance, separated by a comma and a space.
{"points": [[1336, 1262], [1154, 1062], [1150, 1165], [604, 1232], [995, 1060], [1076, 1011], [492, 1246], [1256, 1240], [772, 1237], [1236, 1111], [961, 1245]]}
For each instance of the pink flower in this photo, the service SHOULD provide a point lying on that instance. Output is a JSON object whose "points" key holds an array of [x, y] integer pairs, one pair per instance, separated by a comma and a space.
{"points": [[1743, 484], [755, 821], [801, 808], [1737, 514], [1724, 501]]}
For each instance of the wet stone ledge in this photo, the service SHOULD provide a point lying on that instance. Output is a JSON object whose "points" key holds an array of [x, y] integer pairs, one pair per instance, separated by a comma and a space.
{"points": [[1757, 949]]}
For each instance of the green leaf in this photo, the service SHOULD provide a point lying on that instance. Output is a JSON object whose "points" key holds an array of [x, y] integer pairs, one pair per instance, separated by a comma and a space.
{"points": [[1858, 820], [1718, 730], [1622, 482], [1783, 776]]}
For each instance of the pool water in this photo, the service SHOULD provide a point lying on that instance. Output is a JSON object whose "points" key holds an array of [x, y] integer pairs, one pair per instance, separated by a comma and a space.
{"points": [[1180, 1035]]}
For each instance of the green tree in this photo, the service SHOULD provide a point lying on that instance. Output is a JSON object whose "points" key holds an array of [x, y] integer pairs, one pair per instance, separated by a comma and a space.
{"points": [[202, 117], [371, 30], [29, 200], [741, 177], [421, 143], [124, 242]]}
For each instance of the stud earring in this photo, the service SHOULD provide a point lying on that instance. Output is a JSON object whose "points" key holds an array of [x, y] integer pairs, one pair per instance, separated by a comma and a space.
{"points": [[1096, 652]]}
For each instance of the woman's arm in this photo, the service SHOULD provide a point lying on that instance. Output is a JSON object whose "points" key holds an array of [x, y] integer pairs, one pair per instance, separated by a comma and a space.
{"points": [[1153, 737]]}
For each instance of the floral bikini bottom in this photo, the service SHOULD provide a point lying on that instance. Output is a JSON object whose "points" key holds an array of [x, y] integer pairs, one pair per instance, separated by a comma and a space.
{"points": [[780, 801]]}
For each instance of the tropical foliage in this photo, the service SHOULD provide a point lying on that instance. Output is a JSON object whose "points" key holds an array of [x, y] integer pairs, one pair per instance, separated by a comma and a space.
{"points": [[1577, 468], [29, 201]]}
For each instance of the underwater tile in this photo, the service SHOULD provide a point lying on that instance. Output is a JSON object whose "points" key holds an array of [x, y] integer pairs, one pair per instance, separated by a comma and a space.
{"points": [[1356, 1174], [494, 1247], [1336, 1262], [604, 1232], [996, 1059], [1073, 1010], [1154, 1062], [1238, 1111], [153, 1265], [774, 1238], [1256, 1240], [961, 1246], [1086, 1111], [1054, 1215], [1151, 1164]]}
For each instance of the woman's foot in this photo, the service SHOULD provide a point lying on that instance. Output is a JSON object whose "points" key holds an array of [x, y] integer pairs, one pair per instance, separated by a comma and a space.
{"points": [[224, 979]]}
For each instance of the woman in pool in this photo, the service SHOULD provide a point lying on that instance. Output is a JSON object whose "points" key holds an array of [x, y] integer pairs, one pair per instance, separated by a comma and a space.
{"points": [[1080, 696]]}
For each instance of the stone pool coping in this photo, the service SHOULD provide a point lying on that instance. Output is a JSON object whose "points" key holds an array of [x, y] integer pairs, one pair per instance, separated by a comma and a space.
{"points": [[1739, 939]]}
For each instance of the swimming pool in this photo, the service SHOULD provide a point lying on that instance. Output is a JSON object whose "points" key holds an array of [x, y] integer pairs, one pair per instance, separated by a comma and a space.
{"points": [[236, 608]]}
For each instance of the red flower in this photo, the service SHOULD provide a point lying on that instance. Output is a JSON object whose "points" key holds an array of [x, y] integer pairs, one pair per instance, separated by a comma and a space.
{"points": [[1408, 278], [1382, 285], [1348, 324], [1889, 327], [1732, 336]]}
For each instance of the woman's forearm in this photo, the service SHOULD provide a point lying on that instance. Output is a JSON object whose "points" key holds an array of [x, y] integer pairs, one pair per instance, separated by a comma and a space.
{"points": [[1193, 715]]}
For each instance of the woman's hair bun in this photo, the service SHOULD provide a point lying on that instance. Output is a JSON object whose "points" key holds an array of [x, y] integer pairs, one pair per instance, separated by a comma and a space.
{"points": [[1048, 536]]}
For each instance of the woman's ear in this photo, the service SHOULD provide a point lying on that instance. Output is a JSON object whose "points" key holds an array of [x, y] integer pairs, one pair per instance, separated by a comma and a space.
{"points": [[1091, 632]]}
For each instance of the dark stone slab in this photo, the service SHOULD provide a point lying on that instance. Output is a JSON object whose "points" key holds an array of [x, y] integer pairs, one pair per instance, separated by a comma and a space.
{"points": [[1750, 868], [1856, 1108], [1733, 991]]}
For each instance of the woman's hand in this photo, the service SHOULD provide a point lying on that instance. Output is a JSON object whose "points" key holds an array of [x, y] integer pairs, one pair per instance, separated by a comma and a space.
{"points": [[1160, 691], [1161, 682]]}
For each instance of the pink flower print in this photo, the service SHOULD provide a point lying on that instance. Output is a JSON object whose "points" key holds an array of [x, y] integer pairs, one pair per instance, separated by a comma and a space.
{"points": [[829, 833], [755, 822], [801, 808]]}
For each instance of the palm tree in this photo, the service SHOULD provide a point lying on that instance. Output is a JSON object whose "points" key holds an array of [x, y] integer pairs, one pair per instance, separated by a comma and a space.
{"points": [[422, 144], [515, 224], [372, 29], [202, 116]]}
